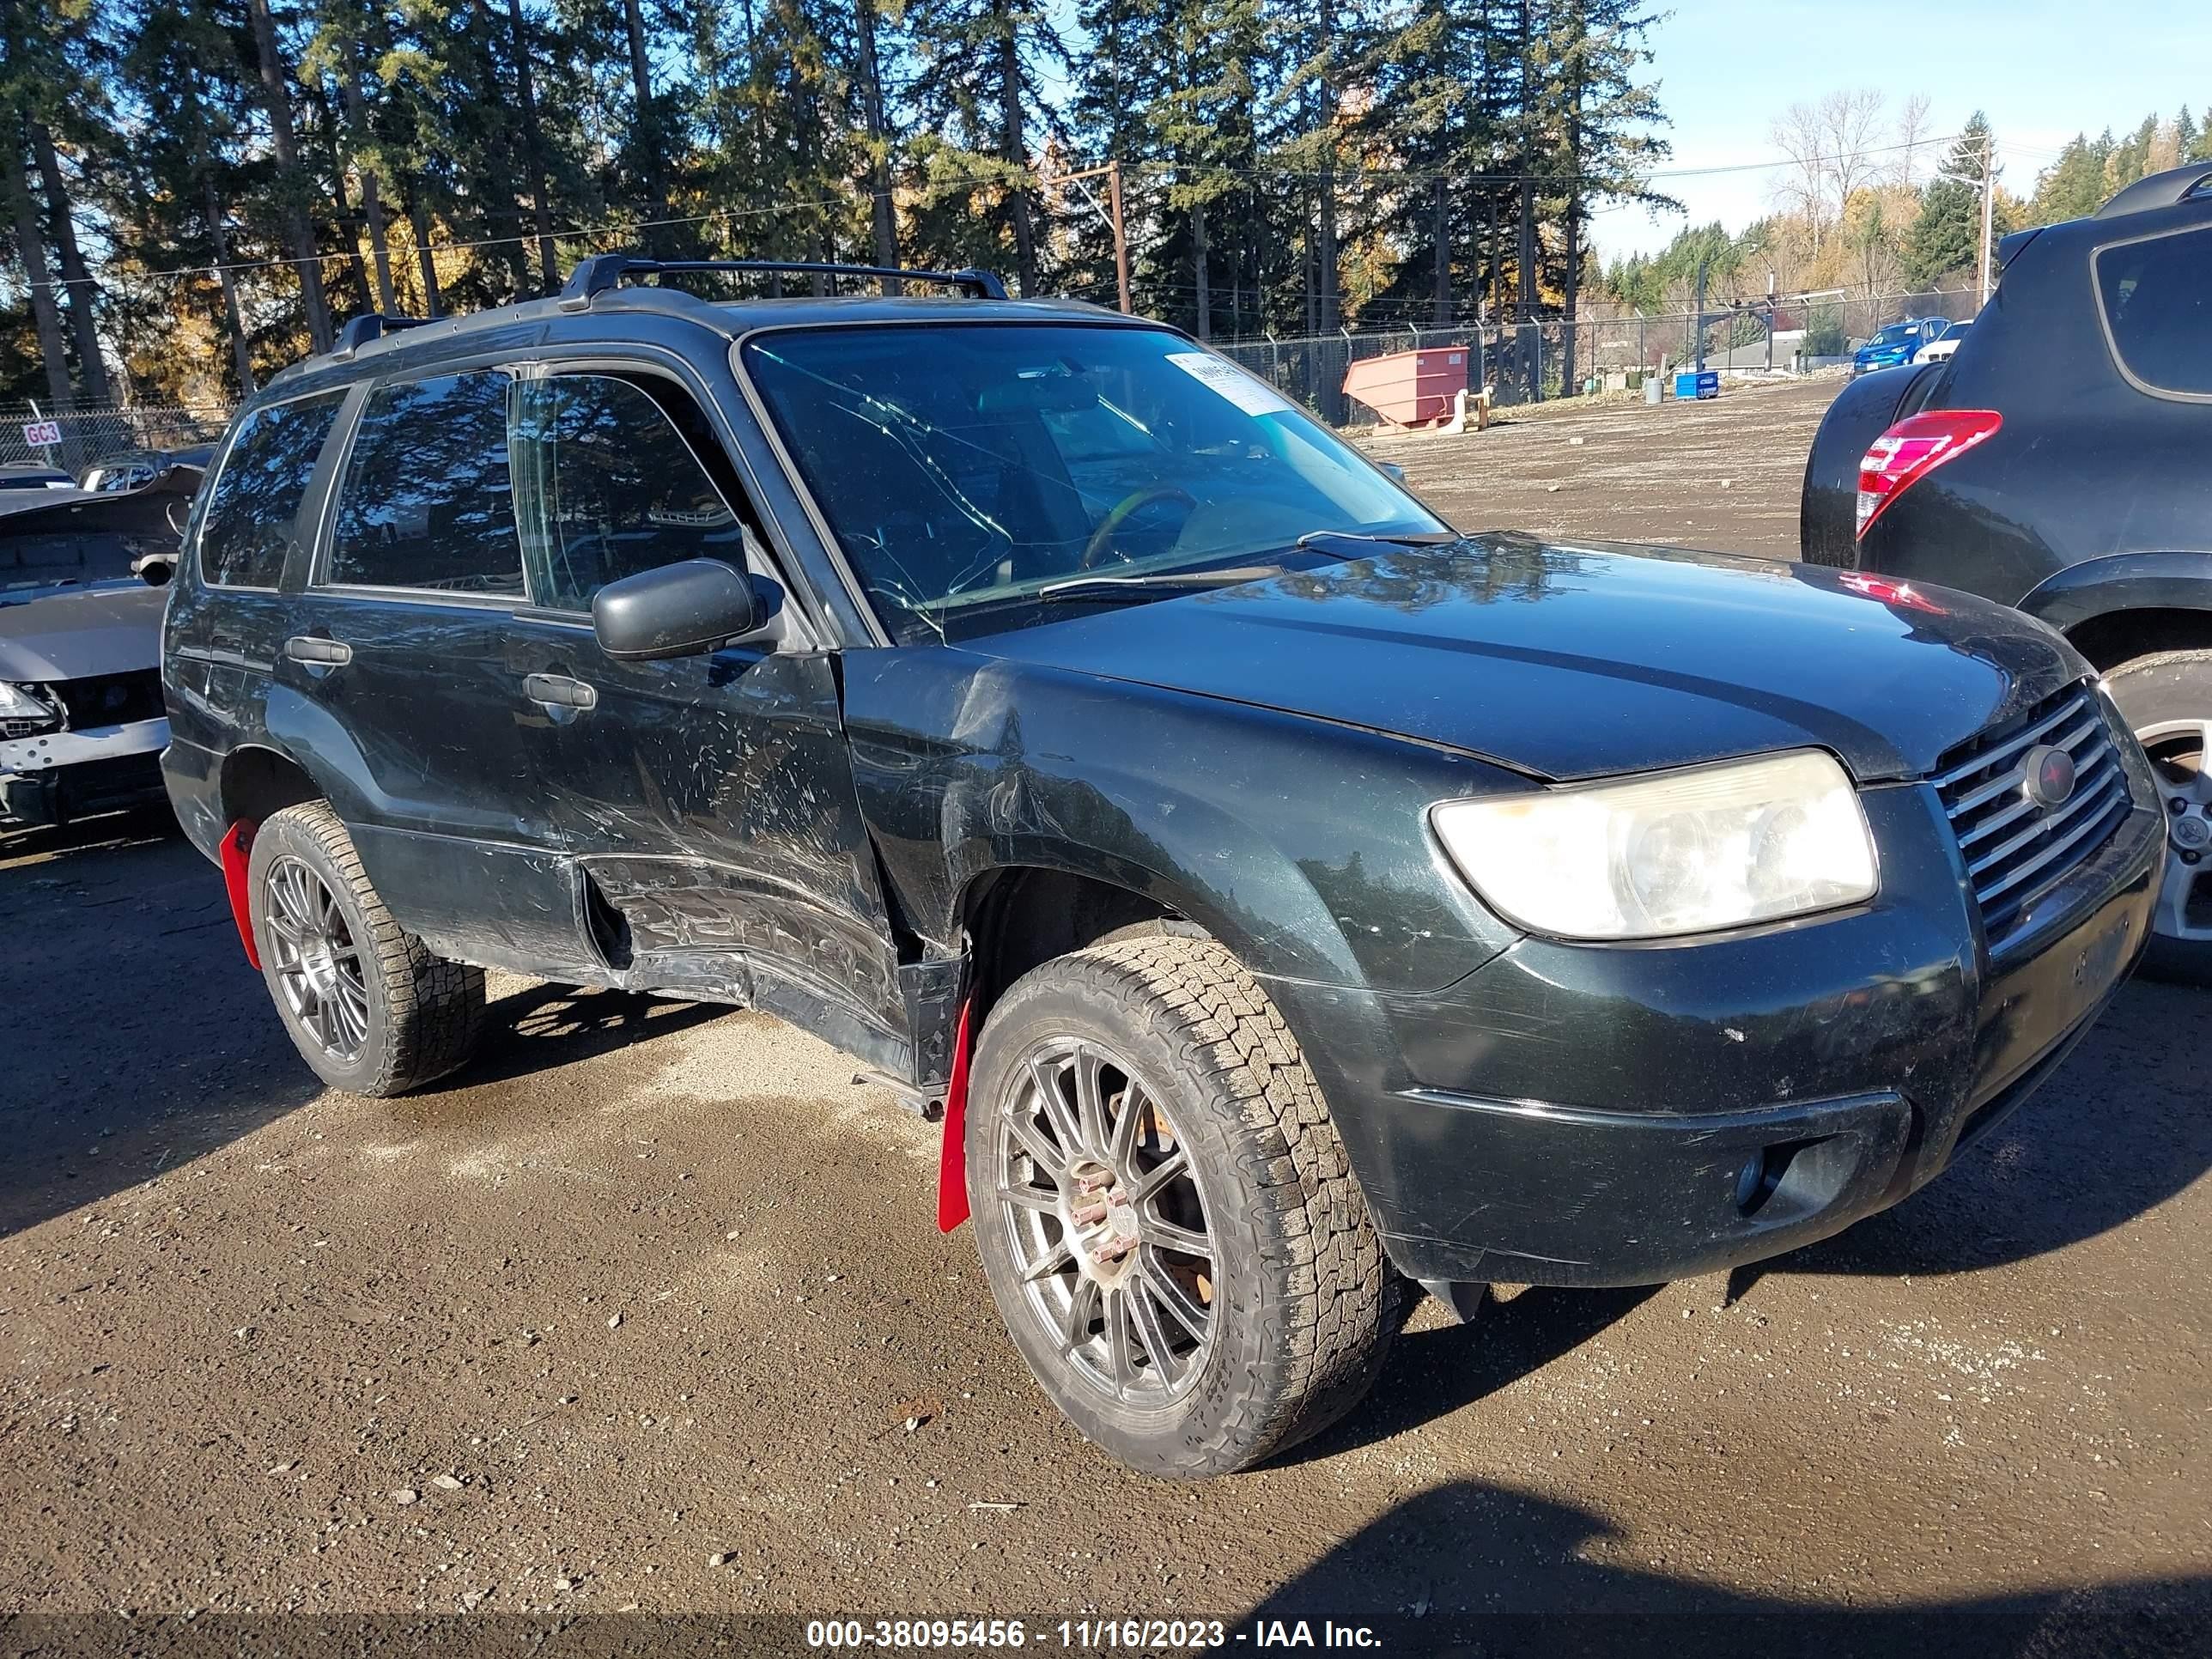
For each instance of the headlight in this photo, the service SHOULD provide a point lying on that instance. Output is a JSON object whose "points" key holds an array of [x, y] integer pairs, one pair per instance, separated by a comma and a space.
{"points": [[1679, 853], [22, 702]]}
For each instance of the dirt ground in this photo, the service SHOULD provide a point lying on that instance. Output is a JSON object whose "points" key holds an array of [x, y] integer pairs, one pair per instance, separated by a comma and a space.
{"points": [[648, 1310], [1721, 474]]}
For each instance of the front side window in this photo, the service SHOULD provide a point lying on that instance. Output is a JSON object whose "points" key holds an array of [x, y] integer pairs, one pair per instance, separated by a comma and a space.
{"points": [[2157, 295], [612, 488], [428, 502], [964, 467], [253, 507]]}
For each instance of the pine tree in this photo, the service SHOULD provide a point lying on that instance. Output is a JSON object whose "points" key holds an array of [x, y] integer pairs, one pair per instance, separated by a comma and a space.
{"points": [[2130, 158], [204, 183], [1430, 109], [983, 69], [1598, 119], [2074, 185], [1947, 238], [293, 191]]}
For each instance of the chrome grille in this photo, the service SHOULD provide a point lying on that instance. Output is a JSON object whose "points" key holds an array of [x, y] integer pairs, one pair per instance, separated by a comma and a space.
{"points": [[2015, 847]]}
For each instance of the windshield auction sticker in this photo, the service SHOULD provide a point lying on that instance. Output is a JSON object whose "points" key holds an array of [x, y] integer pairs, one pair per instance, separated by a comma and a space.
{"points": [[1253, 397]]}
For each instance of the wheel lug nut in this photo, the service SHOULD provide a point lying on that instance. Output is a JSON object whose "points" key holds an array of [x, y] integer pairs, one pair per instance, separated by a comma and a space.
{"points": [[1090, 1215], [2188, 857], [2176, 805]]}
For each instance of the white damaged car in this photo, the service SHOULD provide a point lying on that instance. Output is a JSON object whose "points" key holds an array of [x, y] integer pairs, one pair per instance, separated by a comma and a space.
{"points": [[82, 574]]}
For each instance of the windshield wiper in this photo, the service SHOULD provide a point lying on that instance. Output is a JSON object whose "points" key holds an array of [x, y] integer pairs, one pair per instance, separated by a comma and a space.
{"points": [[1161, 582], [1409, 538]]}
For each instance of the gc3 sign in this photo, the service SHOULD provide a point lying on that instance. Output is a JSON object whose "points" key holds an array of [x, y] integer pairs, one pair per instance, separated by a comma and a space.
{"points": [[40, 435]]}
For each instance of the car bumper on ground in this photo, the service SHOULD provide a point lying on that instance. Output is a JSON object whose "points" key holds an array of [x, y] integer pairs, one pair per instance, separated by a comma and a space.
{"points": [[1579, 1114], [61, 775]]}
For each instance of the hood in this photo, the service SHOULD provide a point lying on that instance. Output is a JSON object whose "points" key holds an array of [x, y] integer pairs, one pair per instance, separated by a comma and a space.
{"points": [[74, 632], [1582, 661]]}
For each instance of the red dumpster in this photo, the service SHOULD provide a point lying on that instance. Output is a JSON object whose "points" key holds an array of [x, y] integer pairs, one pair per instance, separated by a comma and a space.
{"points": [[1410, 388]]}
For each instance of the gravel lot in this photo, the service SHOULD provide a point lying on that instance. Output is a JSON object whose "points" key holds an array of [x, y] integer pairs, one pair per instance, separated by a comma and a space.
{"points": [[1720, 474], [649, 1310]]}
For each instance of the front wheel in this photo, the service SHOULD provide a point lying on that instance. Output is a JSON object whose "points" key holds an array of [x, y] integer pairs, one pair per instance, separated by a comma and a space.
{"points": [[1165, 1211], [2166, 700]]}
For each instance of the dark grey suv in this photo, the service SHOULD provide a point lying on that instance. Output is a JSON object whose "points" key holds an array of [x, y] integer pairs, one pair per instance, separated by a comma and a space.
{"points": [[1284, 895]]}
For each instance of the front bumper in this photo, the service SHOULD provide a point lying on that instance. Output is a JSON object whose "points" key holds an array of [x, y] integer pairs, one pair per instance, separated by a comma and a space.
{"points": [[62, 775], [1578, 1114]]}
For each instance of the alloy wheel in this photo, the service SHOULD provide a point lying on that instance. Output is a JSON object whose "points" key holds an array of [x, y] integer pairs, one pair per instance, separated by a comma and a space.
{"points": [[1109, 1229], [2181, 755], [315, 957]]}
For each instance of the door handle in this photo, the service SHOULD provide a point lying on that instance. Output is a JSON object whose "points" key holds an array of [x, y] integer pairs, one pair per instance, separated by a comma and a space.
{"points": [[559, 691], [318, 649]]}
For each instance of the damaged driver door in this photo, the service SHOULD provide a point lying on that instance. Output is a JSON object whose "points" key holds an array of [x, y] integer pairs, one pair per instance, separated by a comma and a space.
{"points": [[708, 800]]}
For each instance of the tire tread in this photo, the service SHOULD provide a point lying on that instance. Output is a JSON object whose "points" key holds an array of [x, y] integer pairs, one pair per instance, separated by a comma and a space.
{"points": [[1341, 1301], [433, 1006]]}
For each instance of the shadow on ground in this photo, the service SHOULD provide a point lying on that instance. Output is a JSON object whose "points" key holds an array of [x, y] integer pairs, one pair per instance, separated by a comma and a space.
{"points": [[1470, 1569], [2121, 1128], [136, 1037]]}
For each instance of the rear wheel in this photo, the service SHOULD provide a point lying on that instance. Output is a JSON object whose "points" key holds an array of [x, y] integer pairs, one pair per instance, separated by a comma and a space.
{"points": [[1165, 1211], [2166, 699], [366, 1002]]}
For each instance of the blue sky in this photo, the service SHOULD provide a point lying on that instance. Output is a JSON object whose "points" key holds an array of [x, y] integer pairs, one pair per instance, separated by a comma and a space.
{"points": [[2041, 70]]}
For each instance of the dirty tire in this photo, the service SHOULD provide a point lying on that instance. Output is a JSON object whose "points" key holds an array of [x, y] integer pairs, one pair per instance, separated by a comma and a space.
{"points": [[2169, 689], [425, 1013], [1305, 1303]]}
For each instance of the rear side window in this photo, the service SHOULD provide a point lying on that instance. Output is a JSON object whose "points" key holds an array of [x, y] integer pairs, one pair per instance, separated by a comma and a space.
{"points": [[257, 494], [428, 502], [615, 488], [2157, 295]]}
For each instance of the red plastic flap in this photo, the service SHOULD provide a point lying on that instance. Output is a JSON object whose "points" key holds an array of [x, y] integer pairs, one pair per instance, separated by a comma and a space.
{"points": [[952, 1159], [237, 848]]}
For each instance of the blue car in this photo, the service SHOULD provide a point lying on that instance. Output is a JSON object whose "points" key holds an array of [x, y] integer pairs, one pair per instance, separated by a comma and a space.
{"points": [[1896, 343]]}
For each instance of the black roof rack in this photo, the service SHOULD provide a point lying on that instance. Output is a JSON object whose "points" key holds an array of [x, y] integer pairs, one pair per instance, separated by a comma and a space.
{"points": [[360, 330], [603, 271]]}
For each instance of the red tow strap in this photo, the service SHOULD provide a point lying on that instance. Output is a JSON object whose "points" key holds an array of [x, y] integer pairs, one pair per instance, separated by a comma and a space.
{"points": [[952, 1159], [237, 848]]}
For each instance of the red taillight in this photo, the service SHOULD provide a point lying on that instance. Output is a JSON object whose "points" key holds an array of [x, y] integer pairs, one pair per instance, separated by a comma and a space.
{"points": [[1882, 591], [1914, 447]]}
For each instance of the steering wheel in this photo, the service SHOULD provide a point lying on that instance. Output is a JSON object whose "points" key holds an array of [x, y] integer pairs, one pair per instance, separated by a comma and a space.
{"points": [[1136, 500]]}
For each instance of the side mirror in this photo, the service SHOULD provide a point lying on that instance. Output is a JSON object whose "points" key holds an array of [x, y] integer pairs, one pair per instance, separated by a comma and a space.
{"points": [[1395, 471], [676, 610]]}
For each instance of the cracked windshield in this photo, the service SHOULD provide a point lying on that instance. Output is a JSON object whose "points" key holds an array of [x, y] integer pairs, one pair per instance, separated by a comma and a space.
{"points": [[969, 471]]}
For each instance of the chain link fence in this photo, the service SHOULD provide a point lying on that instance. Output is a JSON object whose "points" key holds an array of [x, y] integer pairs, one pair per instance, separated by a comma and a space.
{"points": [[1530, 363], [91, 436], [1522, 363]]}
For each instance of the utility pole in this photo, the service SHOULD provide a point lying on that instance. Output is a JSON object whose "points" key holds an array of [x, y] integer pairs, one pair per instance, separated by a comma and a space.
{"points": [[1121, 236], [1989, 206], [1988, 186], [1111, 173], [1697, 348]]}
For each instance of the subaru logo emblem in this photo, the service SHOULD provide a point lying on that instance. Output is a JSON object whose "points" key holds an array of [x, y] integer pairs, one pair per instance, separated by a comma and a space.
{"points": [[2050, 777]]}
